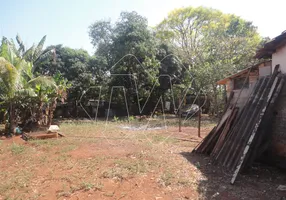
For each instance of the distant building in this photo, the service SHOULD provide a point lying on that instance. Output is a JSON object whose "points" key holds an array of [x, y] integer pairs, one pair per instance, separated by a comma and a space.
{"points": [[242, 87]]}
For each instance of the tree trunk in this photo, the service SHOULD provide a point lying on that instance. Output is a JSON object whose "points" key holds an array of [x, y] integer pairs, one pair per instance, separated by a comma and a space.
{"points": [[215, 99], [40, 114], [12, 120], [52, 108]]}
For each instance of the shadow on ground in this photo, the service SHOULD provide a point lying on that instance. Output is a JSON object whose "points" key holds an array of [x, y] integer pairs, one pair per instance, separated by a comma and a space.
{"points": [[259, 182]]}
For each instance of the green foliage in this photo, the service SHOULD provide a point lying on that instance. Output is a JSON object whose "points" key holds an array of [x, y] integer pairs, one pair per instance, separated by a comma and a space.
{"points": [[17, 149], [131, 118], [76, 66], [115, 119], [23, 93], [129, 49], [212, 44]]}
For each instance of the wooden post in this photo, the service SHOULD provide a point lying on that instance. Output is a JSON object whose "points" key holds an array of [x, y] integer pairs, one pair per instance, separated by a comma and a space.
{"points": [[180, 112], [180, 117], [199, 123], [199, 116]]}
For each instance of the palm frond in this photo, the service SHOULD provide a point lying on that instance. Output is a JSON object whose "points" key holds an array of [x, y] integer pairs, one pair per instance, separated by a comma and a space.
{"points": [[6, 51], [39, 48], [44, 81], [10, 77], [27, 92], [44, 55], [29, 54], [14, 48], [21, 49]]}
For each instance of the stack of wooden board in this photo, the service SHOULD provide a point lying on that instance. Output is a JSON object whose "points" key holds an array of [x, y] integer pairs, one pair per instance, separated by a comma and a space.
{"points": [[238, 140]]}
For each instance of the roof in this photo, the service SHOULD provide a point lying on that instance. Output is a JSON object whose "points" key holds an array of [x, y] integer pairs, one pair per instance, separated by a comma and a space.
{"points": [[224, 81], [271, 46]]}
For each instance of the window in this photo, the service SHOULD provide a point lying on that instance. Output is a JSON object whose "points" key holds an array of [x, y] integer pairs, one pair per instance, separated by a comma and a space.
{"points": [[238, 83]]}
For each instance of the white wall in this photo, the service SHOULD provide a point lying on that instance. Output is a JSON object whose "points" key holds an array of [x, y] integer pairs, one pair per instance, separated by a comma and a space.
{"points": [[279, 57], [264, 71]]}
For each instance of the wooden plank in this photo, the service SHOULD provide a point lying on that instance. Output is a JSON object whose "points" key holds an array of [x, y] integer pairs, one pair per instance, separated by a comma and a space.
{"points": [[225, 131], [235, 136], [41, 135], [246, 149], [263, 138], [252, 118]]}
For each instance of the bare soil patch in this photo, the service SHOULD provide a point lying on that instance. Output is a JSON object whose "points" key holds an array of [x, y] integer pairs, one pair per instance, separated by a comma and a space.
{"points": [[95, 161]]}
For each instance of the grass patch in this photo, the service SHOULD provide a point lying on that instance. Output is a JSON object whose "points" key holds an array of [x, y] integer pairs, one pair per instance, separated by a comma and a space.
{"points": [[68, 148], [124, 169], [183, 182], [161, 138], [16, 181], [86, 186], [47, 142], [17, 149], [166, 178]]}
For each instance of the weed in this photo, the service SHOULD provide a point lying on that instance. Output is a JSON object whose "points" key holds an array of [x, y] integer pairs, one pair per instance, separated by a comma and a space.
{"points": [[131, 118], [115, 119], [87, 186], [46, 144], [20, 181], [17, 149], [115, 173], [166, 178], [134, 167]]}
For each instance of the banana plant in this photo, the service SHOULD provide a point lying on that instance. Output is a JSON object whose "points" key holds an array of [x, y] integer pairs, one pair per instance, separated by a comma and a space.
{"points": [[34, 53], [19, 86], [12, 69]]}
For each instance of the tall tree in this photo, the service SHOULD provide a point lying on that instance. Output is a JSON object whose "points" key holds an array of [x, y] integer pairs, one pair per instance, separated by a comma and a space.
{"points": [[131, 52], [211, 43]]}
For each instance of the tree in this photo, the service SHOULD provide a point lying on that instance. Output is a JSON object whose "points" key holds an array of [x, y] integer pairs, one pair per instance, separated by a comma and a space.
{"points": [[24, 93], [211, 43], [129, 48], [12, 69], [76, 65]]}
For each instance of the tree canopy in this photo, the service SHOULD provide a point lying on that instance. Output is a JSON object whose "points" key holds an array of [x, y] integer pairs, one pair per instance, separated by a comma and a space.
{"points": [[191, 49]]}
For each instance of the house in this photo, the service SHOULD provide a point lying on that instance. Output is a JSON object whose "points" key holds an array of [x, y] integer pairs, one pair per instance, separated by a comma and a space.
{"points": [[242, 83], [276, 50], [275, 53], [253, 126]]}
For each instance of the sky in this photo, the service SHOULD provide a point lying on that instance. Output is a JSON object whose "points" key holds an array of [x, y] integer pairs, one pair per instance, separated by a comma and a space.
{"points": [[66, 21]]}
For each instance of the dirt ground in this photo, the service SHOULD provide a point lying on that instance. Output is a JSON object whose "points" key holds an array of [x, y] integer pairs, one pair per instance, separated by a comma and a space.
{"points": [[107, 161]]}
